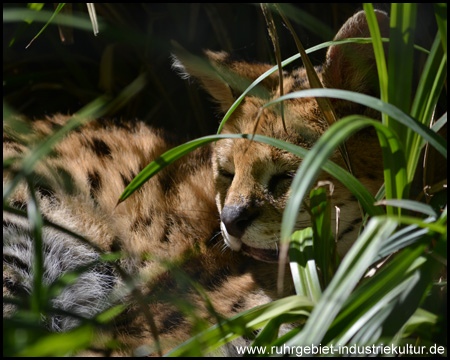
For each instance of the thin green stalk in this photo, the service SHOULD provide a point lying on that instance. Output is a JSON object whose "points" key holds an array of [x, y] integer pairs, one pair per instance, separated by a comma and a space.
{"points": [[379, 53], [400, 68]]}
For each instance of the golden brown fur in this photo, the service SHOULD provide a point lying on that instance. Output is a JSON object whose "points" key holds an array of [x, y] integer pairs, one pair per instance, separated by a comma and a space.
{"points": [[232, 189]]}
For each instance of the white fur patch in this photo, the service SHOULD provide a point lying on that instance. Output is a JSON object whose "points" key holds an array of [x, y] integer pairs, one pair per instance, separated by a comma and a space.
{"points": [[62, 254], [179, 68]]}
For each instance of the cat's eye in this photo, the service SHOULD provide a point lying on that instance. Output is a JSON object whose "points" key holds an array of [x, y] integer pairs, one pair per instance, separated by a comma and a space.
{"points": [[284, 178], [226, 174]]}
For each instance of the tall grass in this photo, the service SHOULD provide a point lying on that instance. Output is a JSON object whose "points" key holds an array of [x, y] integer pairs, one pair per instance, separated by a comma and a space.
{"points": [[358, 300]]}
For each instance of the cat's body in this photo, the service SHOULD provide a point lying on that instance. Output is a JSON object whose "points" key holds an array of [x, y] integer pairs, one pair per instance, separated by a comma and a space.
{"points": [[233, 192]]}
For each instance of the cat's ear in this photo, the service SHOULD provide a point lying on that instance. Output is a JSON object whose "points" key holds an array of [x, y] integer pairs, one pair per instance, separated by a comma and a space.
{"points": [[352, 66], [221, 75]]}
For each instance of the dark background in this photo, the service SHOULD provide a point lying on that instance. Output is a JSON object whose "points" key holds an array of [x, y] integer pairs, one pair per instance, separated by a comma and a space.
{"points": [[51, 76]]}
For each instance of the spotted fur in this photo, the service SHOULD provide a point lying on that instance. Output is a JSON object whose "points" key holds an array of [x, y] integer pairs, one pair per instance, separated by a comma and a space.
{"points": [[215, 213]]}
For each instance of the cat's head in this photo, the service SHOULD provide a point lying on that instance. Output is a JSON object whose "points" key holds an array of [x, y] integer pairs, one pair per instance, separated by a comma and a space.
{"points": [[253, 180]]}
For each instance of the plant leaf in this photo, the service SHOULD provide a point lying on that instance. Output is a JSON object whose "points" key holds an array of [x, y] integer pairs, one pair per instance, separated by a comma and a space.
{"points": [[349, 273], [57, 10], [435, 140], [303, 266]]}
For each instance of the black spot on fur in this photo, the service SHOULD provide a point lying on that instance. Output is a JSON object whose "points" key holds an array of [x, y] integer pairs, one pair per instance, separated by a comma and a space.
{"points": [[171, 321], [166, 180], [45, 191], [116, 245], [238, 305], [9, 224], [16, 263], [165, 238], [14, 287], [129, 125], [136, 225], [215, 280], [371, 176], [169, 223], [100, 148], [7, 139], [9, 143], [142, 222], [95, 182], [346, 231], [55, 126], [147, 221], [164, 283], [17, 148], [125, 180], [19, 204]]}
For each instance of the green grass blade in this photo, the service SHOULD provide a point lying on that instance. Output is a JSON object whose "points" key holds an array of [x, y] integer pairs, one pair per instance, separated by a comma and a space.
{"points": [[438, 125], [303, 267], [373, 294], [269, 335], [271, 28], [410, 205], [427, 78], [378, 50], [38, 295], [413, 296], [403, 20], [244, 323], [394, 167], [421, 318], [57, 10], [416, 142], [440, 10], [349, 273], [324, 244], [401, 239], [433, 226], [400, 67], [411, 287], [435, 140], [35, 7], [16, 15], [60, 344]]}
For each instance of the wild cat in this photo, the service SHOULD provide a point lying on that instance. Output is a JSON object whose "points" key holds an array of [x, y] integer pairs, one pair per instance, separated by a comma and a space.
{"points": [[216, 212]]}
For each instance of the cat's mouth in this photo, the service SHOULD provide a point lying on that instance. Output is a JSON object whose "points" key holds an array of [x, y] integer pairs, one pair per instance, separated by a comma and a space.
{"points": [[267, 255]]}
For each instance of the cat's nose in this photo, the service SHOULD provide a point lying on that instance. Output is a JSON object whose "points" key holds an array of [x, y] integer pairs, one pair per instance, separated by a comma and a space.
{"points": [[237, 219]]}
